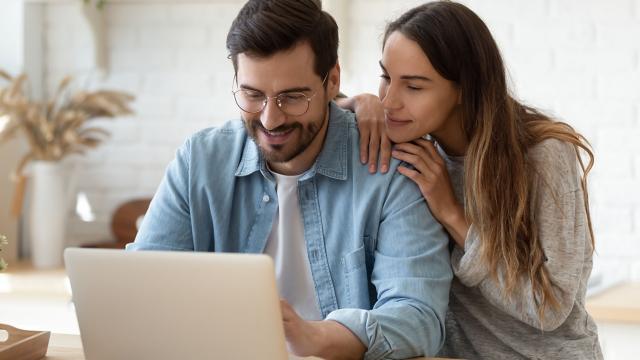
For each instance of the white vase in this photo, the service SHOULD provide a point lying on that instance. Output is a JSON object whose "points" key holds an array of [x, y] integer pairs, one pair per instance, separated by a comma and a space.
{"points": [[52, 187]]}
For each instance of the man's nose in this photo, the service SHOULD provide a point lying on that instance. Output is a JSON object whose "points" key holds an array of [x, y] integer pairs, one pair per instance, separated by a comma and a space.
{"points": [[271, 116]]}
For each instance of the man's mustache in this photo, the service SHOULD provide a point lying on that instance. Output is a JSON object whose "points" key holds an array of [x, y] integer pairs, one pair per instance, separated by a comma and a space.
{"points": [[257, 125]]}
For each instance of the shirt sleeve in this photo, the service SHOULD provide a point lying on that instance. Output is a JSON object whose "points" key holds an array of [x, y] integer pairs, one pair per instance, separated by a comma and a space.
{"points": [[167, 223], [412, 276], [565, 240]]}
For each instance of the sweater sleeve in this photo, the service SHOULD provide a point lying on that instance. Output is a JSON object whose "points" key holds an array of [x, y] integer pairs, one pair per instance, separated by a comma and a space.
{"points": [[563, 231]]}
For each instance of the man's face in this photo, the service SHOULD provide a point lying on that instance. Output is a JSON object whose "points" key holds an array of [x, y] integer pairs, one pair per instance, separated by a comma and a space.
{"points": [[282, 137]]}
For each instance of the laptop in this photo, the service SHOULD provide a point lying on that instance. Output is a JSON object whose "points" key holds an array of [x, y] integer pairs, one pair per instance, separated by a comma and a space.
{"points": [[175, 305]]}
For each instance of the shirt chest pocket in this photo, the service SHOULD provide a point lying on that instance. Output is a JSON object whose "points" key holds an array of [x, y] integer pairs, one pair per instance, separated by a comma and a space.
{"points": [[356, 280]]}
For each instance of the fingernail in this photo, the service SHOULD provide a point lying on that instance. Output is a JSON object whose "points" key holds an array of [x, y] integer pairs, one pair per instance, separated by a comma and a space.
{"points": [[384, 169], [372, 168], [363, 160]]}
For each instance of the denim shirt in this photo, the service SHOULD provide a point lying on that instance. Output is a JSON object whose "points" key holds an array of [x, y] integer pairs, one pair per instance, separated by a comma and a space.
{"points": [[378, 258]]}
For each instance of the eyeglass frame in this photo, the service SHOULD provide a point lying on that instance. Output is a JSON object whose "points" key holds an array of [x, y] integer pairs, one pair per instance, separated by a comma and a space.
{"points": [[276, 97]]}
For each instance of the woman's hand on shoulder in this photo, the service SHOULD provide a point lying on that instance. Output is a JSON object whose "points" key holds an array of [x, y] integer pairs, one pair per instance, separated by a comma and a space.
{"points": [[375, 145], [432, 177]]}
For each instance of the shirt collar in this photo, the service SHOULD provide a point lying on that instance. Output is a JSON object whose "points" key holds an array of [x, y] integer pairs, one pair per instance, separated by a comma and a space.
{"points": [[331, 162]]}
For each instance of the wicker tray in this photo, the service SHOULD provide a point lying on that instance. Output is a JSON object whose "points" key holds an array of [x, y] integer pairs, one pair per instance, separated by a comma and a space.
{"points": [[23, 345]]}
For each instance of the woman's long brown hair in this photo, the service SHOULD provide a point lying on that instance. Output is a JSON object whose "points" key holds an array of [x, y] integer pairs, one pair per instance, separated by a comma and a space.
{"points": [[501, 131]]}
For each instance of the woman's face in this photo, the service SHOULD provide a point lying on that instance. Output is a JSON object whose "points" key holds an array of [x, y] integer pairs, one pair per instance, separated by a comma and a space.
{"points": [[416, 99]]}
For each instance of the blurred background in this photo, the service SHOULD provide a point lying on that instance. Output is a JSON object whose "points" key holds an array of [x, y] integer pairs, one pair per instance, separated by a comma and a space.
{"points": [[577, 60]]}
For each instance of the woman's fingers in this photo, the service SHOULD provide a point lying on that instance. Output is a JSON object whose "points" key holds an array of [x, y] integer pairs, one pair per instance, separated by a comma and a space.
{"points": [[373, 139], [416, 177], [420, 164], [364, 143], [414, 148], [374, 146], [385, 154], [430, 148], [410, 173]]}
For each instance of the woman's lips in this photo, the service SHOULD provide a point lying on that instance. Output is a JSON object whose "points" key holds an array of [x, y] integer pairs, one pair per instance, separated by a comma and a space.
{"points": [[395, 122]]}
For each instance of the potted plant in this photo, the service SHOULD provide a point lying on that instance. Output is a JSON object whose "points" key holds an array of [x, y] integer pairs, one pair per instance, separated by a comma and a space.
{"points": [[54, 130], [99, 3]]}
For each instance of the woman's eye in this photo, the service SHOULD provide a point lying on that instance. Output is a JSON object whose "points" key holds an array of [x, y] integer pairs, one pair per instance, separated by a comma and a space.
{"points": [[415, 88], [385, 77]]}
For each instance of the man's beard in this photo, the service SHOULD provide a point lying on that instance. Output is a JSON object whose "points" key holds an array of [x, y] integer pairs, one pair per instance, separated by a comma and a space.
{"points": [[282, 153]]}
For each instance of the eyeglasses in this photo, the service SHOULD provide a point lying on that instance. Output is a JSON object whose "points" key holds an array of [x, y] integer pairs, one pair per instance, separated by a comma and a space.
{"points": [[293, 103]]}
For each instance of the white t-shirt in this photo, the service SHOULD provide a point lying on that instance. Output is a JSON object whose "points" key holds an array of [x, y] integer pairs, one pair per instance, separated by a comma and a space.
{"points": [[286, 245]]}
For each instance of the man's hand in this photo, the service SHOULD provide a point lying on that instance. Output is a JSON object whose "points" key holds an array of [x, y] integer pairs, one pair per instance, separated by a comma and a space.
{"points": [[325, 339], [302, 336]]}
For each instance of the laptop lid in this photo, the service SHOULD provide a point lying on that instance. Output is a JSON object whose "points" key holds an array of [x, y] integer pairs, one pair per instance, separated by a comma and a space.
{"points": [[175, 305]]}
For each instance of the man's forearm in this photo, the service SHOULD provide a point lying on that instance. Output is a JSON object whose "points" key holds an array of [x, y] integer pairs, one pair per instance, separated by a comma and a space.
{"points": [[327, 339]]}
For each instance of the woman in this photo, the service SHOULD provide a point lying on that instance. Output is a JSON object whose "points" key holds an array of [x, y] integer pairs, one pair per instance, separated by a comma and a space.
{"points": [[503, 180]]}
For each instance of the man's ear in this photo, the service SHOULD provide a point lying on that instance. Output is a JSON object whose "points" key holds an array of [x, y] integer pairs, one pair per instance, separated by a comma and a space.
{"points": [[333, 81]]}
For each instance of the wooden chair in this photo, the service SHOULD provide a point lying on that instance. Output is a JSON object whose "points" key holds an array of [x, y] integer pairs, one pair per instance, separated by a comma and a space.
{"points": [[124, 223]]}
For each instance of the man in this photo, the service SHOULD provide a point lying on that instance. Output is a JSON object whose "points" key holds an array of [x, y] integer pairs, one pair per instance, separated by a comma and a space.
{"points": [[361, 265]]}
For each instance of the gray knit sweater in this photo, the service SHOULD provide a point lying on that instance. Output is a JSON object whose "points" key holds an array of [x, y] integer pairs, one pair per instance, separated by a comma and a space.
{"points": [[481, 323]]}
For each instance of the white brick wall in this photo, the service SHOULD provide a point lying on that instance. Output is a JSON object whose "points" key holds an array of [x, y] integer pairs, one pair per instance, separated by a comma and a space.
{"points": [[172, 57], [579, 60]]}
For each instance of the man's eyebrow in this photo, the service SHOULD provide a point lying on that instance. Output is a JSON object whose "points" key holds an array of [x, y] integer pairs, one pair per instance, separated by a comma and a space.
{"points": [[288, 90], [407, 77]]}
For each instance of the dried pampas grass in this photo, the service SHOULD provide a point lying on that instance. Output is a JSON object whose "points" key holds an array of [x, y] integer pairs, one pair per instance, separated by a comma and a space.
{"points": [[59, 127]]}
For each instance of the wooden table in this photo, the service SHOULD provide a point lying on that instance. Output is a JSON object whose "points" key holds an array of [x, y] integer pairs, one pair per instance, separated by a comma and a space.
{"points": [[64, 347], [616, 310], [49, 285], [69, 347], [620, 304], [617, 314]]}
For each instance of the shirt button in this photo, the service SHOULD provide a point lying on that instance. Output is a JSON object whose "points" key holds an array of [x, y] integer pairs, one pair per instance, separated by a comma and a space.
{"points": [[266, 198]]}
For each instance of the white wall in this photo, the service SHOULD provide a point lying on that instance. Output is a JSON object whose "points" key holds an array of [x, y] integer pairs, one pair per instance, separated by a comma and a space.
{"points": [[579, 60], [11, 55], [173, 58]]}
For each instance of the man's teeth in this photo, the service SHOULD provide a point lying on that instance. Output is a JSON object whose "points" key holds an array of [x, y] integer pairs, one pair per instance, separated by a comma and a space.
{"points": [[279, 133]]}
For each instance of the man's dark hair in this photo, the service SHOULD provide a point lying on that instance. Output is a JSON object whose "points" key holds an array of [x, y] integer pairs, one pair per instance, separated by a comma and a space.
{"points": [[265, 27]]}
